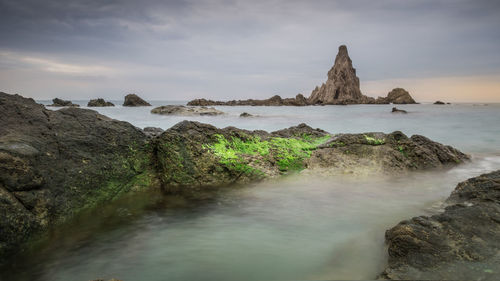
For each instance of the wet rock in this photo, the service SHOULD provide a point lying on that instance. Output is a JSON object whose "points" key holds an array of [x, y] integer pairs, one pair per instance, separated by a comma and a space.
{"points": [[134, 100], [186, 110], [60, 102], [245, 114], [55, 163], [300, 131], [439, 102], [460, 243], [396, 110], [99, 103], [153, 131]]}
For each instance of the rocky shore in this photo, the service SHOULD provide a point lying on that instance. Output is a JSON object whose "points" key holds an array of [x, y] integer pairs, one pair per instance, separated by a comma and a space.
{"points": [[462, 243], [186, 110], [56, 163], [340, 88]]}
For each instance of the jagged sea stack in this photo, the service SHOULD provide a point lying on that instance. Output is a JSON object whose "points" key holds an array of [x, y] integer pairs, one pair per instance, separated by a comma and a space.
{"points": [[342, 86]]}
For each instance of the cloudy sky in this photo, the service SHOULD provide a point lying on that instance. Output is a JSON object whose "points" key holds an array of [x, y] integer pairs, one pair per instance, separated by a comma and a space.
{"points": [[179, 50]]}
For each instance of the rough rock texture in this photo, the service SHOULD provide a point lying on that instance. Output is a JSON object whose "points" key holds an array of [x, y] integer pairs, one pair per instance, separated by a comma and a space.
{"points": [[276, 100], [397, 110], [134, 100], [153, 131], [373, 153], [185, 110], [462, 243], [342, 85], [55, 163], [99, 103], [397, 96], [59, 102]]}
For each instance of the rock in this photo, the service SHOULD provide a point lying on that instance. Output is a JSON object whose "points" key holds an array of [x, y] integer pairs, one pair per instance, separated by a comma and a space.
{"points": [[55, 163], [186, 110], [379, 153], [245, 114], [59, 102], [276, 100], [152, 131], [342, 85], [99, 103], [134, 100], [460, 243], [439, 102], [399, 96], [396, 110]]}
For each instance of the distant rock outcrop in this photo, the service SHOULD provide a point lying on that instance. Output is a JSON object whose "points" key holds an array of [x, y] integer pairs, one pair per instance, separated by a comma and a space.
{"points": [[276, 100], [59, 102], [397, 96], [185, 110], [135, 100], [99, 103], [342, 85], [439, 102], [246, 114]]}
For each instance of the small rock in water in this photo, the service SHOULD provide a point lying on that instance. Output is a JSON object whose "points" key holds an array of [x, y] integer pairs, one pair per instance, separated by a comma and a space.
{"points": [[397, 110], [186, 110], [135, 100], [439, 102], [59, 102], [245, 114], [99, 103]]}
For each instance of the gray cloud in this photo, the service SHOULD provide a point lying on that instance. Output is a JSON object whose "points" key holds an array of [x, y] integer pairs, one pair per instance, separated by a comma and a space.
{"points": [[225, 49]]}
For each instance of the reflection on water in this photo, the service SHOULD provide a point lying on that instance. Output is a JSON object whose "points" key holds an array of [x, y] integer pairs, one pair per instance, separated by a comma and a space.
{"points": [[295, 228]]}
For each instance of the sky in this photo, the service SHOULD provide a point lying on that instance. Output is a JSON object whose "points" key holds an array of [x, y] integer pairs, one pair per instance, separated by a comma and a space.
{"points": [[221, 49]]}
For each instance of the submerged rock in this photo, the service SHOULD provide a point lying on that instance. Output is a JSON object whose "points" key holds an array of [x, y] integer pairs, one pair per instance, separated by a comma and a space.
{"points": [[462, 243], [397, 110], [99, 103], [134, 100], [59, 102], [185, 110], [55, 163], [246, 114]]}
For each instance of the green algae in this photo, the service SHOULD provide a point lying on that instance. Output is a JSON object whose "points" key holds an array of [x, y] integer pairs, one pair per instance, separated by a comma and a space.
{"points": [[374, 141], [288, 153]]}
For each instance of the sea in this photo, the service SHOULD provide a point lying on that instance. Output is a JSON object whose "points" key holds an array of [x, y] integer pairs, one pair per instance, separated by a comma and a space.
{"points": [[298, 227]]}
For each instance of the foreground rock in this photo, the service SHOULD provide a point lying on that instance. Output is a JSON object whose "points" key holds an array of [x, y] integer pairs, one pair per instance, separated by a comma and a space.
{"points": [[397, 110], [134, 100], [55, 163], [463, 243], [99, 103], [59, 103], [186, 110], [340, 88]]}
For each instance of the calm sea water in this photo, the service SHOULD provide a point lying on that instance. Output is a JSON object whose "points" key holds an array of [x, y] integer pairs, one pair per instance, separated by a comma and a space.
{"points": [[294, 228]]}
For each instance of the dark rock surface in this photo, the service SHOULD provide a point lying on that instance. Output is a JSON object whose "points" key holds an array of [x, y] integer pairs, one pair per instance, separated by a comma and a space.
{"points": [[375, 153], [59, 103], [462, 243], [439, 102], [55, 163], [397, 110], [134, 100], [99, 103], [186, 110], [152, 131], [246, 114]]}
